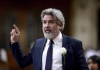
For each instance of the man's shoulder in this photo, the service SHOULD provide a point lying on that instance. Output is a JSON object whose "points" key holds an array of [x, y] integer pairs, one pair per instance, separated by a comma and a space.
{"points": [[73, 42], [71, 39], [40, 40]]}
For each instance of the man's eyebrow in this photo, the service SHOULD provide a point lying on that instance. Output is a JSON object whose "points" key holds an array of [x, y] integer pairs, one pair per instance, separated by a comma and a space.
{"points": [[51, 20], [48, 20]]}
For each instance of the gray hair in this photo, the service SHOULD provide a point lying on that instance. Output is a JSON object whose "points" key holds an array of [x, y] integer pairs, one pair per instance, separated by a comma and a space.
{"points": [[57, 14]]}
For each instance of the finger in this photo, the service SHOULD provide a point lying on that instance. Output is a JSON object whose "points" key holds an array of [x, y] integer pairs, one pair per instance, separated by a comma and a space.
{"points": [[15, 27], [12, 32]]}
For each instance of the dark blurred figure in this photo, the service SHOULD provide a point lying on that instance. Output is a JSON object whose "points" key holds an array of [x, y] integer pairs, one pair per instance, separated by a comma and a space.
{"points": [[94, 62]]}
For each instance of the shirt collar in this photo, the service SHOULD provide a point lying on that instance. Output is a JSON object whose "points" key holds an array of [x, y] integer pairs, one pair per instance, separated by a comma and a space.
{"points": [[56, 40]]}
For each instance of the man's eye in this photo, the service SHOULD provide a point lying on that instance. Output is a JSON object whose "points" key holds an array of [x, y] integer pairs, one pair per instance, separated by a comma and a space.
{"points": [[95, 62], [44, 22], [51, 22], [88, 63]]}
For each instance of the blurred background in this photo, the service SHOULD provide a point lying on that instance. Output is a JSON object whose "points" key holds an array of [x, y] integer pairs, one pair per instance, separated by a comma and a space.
{"points": [[82, 22]]}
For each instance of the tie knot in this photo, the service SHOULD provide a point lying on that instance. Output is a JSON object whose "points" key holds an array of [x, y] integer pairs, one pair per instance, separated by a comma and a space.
{"points": [[51, 42]]}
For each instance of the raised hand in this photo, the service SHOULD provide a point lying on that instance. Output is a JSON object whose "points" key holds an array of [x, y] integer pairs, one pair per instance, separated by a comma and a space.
{"points": [[14, 34]]}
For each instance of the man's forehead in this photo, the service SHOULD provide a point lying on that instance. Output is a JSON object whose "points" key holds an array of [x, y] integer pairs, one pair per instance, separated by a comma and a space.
{"points": [[48, 17]]}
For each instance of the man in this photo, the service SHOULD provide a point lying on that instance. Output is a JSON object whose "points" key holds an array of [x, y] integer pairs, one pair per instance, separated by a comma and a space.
{"points": [[71, 58], [94, 62]]}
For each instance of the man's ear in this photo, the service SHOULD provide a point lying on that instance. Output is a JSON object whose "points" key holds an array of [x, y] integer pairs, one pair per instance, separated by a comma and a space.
{"points": [[60, 26]]}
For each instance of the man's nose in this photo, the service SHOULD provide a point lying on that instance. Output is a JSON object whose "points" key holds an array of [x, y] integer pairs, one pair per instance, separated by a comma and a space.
{"points": [[91, 64], [47, 24]]}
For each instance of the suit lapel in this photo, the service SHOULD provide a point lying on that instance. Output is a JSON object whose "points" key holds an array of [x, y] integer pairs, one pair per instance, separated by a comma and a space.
{"points": [[65, 45], [43, 45], [41, 51]]}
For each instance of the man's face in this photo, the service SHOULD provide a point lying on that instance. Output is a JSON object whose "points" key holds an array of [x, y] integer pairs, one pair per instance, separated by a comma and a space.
{"points": [[50, 28], [93, 65]]}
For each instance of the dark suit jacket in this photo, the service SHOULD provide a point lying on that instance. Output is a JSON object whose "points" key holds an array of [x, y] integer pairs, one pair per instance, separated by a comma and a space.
{"points": [[74, 59]]}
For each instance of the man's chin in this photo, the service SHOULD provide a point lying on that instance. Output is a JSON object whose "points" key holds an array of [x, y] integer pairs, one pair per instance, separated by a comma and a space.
{"points": [[48, 36]]}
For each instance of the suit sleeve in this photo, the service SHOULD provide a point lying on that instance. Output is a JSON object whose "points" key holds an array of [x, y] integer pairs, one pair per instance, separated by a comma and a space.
{"points": [[22, 60], [79, 56]]}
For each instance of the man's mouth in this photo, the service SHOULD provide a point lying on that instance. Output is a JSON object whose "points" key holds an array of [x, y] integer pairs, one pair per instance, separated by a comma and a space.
{"points": [[92, 68], [48, 31]]}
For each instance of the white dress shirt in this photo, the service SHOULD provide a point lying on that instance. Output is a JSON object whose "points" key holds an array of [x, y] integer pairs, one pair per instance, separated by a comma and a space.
{"points": [[57, 56]]}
